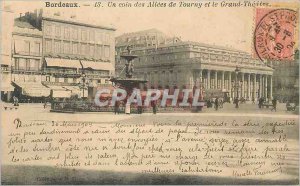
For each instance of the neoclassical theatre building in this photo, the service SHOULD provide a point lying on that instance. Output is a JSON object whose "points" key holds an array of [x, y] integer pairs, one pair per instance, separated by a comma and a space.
{"points": [[191, 64]]}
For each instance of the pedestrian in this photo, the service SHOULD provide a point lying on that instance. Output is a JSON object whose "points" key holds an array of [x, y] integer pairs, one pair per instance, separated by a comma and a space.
{"points": [[260, 102], [274, 103], [221, 103], [127, 108], [45, 104], [253, 100], [117, 107], [216, 103], [153, 105], [236, 102]]}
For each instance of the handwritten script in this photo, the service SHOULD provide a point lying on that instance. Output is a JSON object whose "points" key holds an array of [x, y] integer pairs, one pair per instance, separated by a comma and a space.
{"points": [[248, 149]]}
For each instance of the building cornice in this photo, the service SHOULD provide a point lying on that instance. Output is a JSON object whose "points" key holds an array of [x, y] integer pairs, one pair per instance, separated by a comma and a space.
{"points": [[78, 23]]}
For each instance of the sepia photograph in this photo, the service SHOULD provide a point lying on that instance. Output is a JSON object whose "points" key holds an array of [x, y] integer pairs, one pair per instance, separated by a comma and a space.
{"points": [[158, 92]]}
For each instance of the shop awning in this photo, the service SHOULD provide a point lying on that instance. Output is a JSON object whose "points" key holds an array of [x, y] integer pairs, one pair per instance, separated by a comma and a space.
{"points": [[61, 93], [56, 87], [64, 63], [97, 65], [33, 89], [73, 89], [7, 88]]}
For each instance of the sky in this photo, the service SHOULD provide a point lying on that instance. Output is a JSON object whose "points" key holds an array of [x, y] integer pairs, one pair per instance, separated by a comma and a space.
{"points": [[230, 27]]}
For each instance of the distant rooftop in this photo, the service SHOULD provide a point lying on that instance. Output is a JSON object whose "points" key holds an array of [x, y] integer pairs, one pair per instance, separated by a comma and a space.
{"points": [[181, 43]]}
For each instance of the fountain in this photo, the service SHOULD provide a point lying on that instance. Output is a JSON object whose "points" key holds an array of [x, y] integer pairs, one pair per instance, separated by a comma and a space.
{"points": [[129, 82]]}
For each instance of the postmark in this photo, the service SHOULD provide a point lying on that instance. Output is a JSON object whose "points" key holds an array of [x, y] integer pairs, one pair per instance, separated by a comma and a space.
{"points": [[275, 36]]}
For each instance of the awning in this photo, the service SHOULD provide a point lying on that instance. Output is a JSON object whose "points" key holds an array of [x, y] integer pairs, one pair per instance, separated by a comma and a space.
{"points": [[97, 65], [73, 89], [33, 89], [56, 87], [61, 93], [65, 63], [7, 88]]}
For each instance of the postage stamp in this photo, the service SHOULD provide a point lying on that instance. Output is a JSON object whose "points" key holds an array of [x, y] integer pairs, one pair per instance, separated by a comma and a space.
{"points": [[275, 36]]}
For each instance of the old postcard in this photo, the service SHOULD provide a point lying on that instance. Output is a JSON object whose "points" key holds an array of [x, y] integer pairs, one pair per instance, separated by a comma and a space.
{"points": [[199, 92]]}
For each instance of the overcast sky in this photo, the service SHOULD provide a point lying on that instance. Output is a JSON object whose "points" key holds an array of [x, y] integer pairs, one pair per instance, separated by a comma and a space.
{"points": [[232, 27]]}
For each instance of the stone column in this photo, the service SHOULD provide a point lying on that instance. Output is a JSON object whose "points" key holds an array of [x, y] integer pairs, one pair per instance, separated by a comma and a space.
{"points": [[248, 90], [260, 86], [223, 80], [243, 85], [216, 80], [200, 77], [229, 84], [254, 87], [271, 88], [208, 79], [266, 86]]}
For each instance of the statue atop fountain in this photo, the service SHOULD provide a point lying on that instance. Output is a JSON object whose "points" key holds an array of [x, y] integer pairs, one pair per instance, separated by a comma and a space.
{"points": [[129, 82]]}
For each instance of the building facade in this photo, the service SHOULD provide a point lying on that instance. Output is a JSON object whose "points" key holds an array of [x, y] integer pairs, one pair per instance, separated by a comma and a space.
{"points": [[7, 21], [286, 78], [140, 39], [58, 56], [27, 60], [191, 64]]}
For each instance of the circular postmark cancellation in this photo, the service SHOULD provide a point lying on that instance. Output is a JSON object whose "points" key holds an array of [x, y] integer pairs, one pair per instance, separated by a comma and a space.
{"points": [[275, 35]]}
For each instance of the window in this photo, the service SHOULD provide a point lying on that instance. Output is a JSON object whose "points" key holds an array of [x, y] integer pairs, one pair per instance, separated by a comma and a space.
{"points": [[92, 35], [66, 47], [57, 31], [56, 79], [74, 80], [57, 48], [32, 65], [16, 63], [75, 48], [66, 80], [99, 37], [83, 49], [75, 33], [67, 33], [48, 78], [48, 30], [27, 47], [22, 64], [106, 52], [92, 50], [83, 35], [98, 51], [107, 38], [28, 64], [48, 46], [37, 48]]}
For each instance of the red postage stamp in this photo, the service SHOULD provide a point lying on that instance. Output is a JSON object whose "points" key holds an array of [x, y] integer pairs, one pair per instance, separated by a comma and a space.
{"points": [[275, 36]]}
